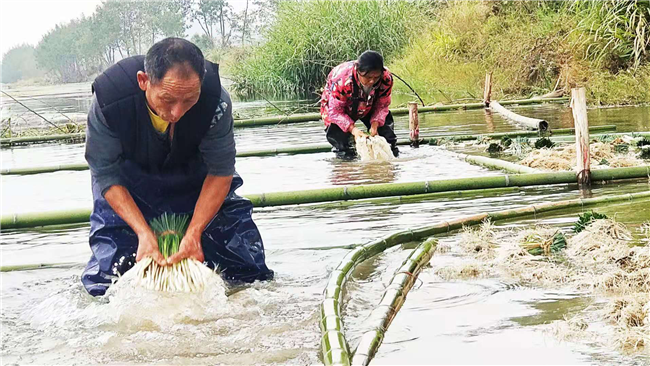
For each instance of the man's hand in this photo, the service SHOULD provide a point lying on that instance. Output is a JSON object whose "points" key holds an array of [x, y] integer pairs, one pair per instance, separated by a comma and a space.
{"points": [[373, 128], [148, 247], [190, 248], [358, 133]]}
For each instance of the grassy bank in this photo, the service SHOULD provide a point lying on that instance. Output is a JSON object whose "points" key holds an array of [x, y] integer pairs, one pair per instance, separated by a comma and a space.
{"points": [[532, 48], [444, 48]]}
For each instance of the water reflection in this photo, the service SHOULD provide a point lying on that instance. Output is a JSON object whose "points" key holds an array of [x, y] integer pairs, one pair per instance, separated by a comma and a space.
{"points": [[362, 172], [489, 120]]}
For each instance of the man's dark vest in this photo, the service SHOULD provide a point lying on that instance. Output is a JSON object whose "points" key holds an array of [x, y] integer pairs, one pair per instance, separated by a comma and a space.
{"points": [[124, 106]]}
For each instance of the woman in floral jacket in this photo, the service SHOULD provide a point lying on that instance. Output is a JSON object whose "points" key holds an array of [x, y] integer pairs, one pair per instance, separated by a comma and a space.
{"points": [[358, 90]]}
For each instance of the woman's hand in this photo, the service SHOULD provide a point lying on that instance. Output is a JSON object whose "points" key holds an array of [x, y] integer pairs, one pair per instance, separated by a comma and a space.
{"points": [[358, 133]]}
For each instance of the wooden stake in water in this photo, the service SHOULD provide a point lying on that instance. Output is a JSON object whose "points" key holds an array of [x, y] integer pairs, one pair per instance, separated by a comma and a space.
{"points": [[487, 92], [579, 108], [414, 124]]}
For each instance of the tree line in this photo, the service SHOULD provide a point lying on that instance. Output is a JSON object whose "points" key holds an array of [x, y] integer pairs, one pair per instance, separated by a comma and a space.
{"points": [[83, 47]]}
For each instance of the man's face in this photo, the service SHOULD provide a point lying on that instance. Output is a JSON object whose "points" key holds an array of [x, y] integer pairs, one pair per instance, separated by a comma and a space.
{"points": [[172, 96]]}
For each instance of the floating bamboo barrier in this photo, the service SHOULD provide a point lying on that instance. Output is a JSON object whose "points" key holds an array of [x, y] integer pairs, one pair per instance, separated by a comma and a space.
{"points": [[400, 200], [512, 134], [335, 349], [45, 169], [313, 148], [393, 299], [498, 164], [398, 189], [572, 139], [74, 137], [539, 209], [26, 220], [27, 267], [282, 120], [527, 122]]}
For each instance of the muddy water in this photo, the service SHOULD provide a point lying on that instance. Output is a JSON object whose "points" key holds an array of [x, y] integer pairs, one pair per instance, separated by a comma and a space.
{"points": [[48, 318]]}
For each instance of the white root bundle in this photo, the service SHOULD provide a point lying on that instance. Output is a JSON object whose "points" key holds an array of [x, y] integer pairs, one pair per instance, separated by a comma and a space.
{"points": [[373, 148], [189, 275]]}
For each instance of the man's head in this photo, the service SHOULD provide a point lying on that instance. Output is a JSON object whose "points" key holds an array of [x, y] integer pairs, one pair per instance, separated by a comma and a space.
{"points": [[370, 66], [173, 71]]}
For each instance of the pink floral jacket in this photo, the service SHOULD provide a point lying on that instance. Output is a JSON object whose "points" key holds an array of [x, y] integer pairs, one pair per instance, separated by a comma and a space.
{"points": [[343, 88]]}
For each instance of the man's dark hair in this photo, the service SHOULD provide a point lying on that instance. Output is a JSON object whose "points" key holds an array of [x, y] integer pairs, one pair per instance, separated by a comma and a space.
{"points": [[370, 61], [173, 51]]}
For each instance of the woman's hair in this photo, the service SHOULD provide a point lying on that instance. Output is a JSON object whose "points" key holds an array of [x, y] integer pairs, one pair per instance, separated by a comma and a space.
{"points": [[370, 61]]}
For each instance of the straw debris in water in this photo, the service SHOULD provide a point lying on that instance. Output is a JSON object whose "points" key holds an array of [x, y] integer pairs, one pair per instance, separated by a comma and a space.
{"points": [[481, 241], [564, 157], [598, 259]]}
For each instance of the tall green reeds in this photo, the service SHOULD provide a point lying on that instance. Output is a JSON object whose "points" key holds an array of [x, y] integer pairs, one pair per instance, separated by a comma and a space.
{"points": [[309, 38], [615, 32]]}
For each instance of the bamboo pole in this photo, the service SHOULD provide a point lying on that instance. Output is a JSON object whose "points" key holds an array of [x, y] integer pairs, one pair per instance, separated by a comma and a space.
{"points": [[579, 108], [487, 91], [26, 220], [335, 349], [401, 200], [395, 111], [592, 137], [40, 139], [27, 267], [300, 118], [414, 124], [44, 169], [513, 134], [311, 148], [498, 164], [527, 122]]}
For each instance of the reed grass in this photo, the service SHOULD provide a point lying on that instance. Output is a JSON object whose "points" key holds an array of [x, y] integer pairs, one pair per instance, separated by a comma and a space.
{"points": [[614, 33], [309, 38]]}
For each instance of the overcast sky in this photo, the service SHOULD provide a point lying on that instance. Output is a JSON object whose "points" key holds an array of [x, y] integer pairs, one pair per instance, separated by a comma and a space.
{"points": [[27, 21]]}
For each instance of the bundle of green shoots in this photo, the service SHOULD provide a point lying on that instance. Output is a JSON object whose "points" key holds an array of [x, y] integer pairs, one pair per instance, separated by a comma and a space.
{"points": [[189, 275], [536, 244], [586, 219]]}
